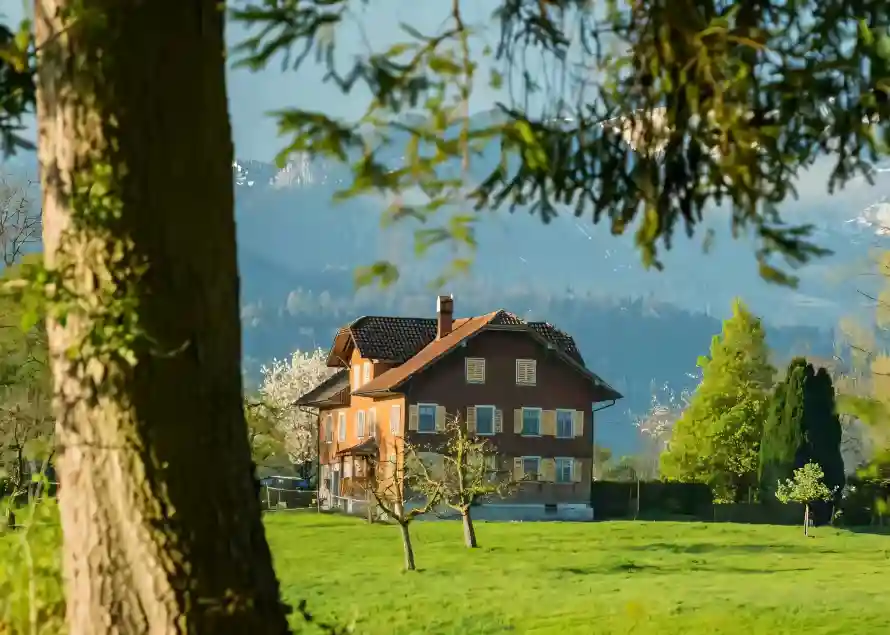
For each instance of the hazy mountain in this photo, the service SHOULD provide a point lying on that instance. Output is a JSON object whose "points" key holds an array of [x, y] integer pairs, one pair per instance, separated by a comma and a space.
{"points": [[297, 252]]}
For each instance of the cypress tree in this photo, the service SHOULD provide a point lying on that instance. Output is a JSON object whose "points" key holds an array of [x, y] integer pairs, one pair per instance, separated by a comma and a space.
{"points": [[783, 431], [823, 429]]}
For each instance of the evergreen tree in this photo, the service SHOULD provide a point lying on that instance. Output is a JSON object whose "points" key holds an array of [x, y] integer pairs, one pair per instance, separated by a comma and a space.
{"points": [[717, 439], [822, 429], [783, 431]]}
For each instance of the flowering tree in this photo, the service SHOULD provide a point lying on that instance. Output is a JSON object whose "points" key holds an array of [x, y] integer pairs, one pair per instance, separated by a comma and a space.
{"points": [[806, 487], [656, 425], [285, 381]]}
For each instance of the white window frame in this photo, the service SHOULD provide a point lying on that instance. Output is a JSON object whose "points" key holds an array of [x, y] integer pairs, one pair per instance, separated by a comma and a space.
{"points": [[395, 418], [537, 471], [420, 407], [372, 422], [341, 426], [467, 362], [494, 411], [356, 376], [571, 461], [360, 424], [571, 414], [540, 412], [534, 365], [366, 372], [329, 428]]}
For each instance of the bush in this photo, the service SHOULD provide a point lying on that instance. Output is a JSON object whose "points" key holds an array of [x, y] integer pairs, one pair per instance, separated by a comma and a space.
{"points": [[859, 505], [617, 499]]}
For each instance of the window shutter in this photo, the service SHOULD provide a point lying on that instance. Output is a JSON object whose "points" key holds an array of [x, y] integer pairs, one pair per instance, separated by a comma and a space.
{"points": [[578, 423], [475, 370], [471, 419], [517, 421], [412, 418], [577, 470], [517, 469], [548, 423], [526, 372], [498, 420], [548, 470], [372, 422], [440, 418]]}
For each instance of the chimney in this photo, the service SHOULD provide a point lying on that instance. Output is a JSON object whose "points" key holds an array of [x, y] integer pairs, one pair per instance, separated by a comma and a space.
{"points": [[445, 315]]}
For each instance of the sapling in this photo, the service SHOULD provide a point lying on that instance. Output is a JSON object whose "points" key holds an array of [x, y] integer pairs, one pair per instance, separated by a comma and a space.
{"points": [[806, 487]]}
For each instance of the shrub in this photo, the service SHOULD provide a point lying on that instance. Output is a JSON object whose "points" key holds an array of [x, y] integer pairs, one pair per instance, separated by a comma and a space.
{"points": [[616, 499]]}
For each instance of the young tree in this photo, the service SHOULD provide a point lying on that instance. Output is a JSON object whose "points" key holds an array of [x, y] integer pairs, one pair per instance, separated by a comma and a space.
{"points": [[806, 487], [19, 219], [717, 439], [467, 472], [392, 483], [783, 432], [285, 381]]}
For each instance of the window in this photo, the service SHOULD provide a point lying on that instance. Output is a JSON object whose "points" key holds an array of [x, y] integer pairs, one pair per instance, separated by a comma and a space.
{"points": [[366, 373], [360, 424], [475, 370], [347, 470], [328, 428], [356, 376], [395, 416], [531, 467], [341, 426], [565, 469], [531, 422], [484, 419], [372, 422], [526, 372], [564, 429], [426, 417]]}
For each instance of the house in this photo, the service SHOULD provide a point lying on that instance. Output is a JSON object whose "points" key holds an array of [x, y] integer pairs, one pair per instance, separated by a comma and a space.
{"points": [[523, 384]]}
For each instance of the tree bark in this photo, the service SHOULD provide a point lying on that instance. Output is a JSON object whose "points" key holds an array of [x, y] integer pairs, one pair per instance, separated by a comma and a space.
{"points": [[144, 337], [469, 529], [806, 519], [406, 546]]}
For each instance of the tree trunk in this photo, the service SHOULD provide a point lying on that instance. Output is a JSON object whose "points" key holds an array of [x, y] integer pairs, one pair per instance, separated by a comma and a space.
{"points": [[806, 519], [144, 336], [469, 529], [406, 546]]}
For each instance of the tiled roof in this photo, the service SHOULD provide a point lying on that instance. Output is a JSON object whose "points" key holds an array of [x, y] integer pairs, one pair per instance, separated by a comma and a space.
{"points": [[468, 327], [398, 339], [461, 330]]}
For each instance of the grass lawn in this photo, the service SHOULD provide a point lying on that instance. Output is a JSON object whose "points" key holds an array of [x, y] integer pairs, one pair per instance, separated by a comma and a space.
{"points": [[585, 578]]}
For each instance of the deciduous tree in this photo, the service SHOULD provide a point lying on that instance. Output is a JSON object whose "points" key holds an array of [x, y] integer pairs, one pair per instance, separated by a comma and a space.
{"points": [[467, 469], [717, 439], [143, 322], [806, 487], [390, 482], [284, 381]]}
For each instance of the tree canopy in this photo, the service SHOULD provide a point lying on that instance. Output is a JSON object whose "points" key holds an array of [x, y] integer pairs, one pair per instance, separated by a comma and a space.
{"points": [[717, 438], [650, 113]]}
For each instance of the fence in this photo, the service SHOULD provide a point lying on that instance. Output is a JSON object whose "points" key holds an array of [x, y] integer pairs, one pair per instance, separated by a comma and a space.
{"points": [[274, 498]]}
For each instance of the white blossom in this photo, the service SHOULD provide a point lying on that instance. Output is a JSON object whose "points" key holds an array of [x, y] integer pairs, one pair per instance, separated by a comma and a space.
{"points": [[285, 381]]}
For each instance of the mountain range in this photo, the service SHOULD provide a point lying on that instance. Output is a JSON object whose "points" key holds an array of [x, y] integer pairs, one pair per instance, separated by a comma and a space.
{"points": [[637, 328]]}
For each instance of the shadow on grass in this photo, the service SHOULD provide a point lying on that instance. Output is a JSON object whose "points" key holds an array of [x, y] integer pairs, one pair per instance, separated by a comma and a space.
{"points": [[705, 547], [869, 529], [632, 567]]}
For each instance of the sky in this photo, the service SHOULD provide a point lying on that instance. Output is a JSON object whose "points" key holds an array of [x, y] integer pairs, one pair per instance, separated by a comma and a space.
{"points": [[253, 95]]}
